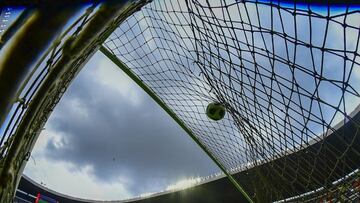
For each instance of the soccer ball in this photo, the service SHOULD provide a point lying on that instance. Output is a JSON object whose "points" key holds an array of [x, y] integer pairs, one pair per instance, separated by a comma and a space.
{"points": [[215, 111]]}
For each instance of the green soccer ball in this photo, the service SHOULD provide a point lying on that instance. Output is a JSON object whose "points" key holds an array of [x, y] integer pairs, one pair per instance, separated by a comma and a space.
{"points": [[215, 111]]}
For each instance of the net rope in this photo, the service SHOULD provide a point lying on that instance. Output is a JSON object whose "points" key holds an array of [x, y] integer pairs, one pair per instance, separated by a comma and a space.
{"points": [[288, 75], [36, 78]]}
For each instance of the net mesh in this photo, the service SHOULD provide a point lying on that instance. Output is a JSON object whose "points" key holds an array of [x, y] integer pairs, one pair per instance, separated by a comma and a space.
{"points": [[48, 80], [288, 75], [35, 79]]}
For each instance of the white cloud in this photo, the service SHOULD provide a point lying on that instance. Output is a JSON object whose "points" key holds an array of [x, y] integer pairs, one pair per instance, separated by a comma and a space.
{"points": [[58, 176], [68, 179]]}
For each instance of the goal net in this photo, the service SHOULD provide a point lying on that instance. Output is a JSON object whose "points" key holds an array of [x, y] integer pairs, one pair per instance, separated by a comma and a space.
{"points": [[287, 73]]}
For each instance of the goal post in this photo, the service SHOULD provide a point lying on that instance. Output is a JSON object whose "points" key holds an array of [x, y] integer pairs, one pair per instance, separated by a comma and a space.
{"points": [[58, 67], [286, 73], [160, 102]]}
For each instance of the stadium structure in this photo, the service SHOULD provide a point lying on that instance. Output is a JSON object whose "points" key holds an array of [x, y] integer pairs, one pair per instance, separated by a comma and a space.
{"points": [[5, 15], [287, 73]]}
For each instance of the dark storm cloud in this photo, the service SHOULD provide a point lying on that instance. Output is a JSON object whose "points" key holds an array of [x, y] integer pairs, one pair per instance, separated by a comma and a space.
{"points": [[117, 137]]}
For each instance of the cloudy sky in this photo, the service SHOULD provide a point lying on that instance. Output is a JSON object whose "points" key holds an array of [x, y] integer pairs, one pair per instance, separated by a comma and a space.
{"points": [[107, 139], [179, 56]]}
